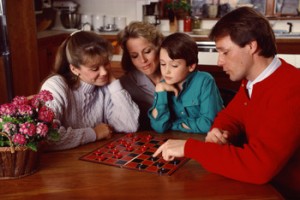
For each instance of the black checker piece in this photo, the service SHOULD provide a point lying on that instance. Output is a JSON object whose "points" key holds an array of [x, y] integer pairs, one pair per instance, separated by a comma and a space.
{"points": [[158, 164], [141, 166], [175, 162], [162, 171], [154, 159]]}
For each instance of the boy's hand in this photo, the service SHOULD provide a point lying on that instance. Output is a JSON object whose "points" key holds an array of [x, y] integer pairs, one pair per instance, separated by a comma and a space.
{"points": [[163, 86]]}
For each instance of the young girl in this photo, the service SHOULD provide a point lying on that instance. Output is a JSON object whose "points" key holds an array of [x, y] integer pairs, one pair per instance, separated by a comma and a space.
{"points": [[187, 100], [88, 100]]}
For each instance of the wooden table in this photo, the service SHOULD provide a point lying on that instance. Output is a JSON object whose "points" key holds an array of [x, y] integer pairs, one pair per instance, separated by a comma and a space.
{"points": [[63, 176]]}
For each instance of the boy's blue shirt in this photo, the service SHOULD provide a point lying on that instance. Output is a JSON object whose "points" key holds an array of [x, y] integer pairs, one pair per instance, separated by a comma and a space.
{"points": [[196, 105]]}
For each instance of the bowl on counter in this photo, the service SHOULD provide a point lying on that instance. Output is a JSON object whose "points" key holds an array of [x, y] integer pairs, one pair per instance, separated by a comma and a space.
{"points": [[201, 31], [70, 20]]}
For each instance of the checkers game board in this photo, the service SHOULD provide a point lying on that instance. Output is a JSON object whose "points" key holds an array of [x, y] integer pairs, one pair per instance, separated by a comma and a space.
{"points": [[133, 151]]}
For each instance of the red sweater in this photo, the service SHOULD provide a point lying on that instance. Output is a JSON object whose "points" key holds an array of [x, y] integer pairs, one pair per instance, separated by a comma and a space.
{"points": [[271, 123]]}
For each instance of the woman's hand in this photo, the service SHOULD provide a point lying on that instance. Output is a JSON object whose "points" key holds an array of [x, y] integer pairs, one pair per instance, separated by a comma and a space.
{"points": [[217, 136], [103, 131]]}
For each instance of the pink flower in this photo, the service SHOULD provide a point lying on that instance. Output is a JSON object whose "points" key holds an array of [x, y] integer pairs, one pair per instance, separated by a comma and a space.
{"points": [[9, 128], [8, 109], [28, 129], [46, 114], [28, 122], [41, 98], [20, 100], [19, 139], [42, 129], [45, 96], [25, 110]]}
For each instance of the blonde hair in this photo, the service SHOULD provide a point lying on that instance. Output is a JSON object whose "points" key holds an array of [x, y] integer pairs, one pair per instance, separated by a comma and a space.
{"points": [[77, 50], [137, 29]]}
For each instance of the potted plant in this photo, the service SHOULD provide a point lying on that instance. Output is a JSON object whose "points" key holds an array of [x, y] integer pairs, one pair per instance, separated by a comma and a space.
{"points": [[180, 8], [24, 125]]}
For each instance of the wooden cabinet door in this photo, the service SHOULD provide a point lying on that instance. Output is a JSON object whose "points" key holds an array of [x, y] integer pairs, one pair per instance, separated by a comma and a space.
{"points": [[3, 95], [23, 46], [47, 48]]}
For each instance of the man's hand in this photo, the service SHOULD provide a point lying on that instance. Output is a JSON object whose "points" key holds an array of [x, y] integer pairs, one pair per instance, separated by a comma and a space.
{"points": [[217, 136], [171, 149]]}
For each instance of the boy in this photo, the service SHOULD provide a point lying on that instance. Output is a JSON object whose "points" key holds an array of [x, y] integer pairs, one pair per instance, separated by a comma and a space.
{"points": [[186, 100]]}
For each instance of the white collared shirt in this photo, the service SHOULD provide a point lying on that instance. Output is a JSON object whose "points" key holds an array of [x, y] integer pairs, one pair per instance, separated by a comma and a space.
{"points": [[267, 72]]}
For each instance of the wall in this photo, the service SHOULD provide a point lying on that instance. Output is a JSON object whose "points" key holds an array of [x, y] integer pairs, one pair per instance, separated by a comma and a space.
{"points": [[115, 8], [127, 8]]}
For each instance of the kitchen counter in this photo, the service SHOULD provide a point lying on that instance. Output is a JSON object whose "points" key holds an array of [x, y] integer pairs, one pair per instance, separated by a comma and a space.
{"points": [[48, 33], [289, 46]]}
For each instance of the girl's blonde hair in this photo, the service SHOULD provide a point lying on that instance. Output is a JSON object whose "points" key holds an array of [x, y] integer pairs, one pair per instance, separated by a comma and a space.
{"points": [[77, 49]]}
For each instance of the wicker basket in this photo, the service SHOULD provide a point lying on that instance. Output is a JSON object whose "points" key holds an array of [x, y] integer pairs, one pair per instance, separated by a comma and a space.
{"points": [[17, 162]]}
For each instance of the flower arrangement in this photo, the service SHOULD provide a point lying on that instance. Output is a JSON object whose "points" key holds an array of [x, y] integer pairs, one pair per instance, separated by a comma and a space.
{"points": [[28, 122]]}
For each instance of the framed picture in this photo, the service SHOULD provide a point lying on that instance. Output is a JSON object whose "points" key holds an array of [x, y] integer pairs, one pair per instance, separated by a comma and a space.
{"points": [[197, 7], [287, 7]]}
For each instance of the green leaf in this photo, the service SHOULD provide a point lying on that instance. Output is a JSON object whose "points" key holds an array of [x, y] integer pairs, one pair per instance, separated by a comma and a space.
{"points": [[53, 135], [32, 146]]}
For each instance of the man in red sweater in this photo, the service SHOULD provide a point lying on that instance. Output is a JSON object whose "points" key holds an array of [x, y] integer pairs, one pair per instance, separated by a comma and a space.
{"points": [[256, 138]]}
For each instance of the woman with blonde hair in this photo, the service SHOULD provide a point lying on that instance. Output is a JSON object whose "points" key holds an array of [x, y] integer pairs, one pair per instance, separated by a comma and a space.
{"points": [[140, 42]]}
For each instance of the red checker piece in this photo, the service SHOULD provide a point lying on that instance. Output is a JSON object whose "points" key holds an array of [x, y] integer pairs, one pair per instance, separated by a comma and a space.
{"points": [[129, 148], [144, 148], [115, 151], [118, 155], [110, 146], [101, 157], [129, 135], [149, 137]]}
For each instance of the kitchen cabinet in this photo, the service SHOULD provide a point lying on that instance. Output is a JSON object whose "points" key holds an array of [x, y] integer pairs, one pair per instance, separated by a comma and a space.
{"points": [[3, 95], [47, 48], [22, 36], [288, 45]]}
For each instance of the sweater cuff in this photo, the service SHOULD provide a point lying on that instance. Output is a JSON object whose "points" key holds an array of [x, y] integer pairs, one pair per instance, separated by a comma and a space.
{"points": [[90, 135], [160, 98], [115, 86], [191, 146]]}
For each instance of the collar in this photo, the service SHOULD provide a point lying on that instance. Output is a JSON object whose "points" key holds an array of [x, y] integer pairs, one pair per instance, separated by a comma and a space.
{"points": [[86, 87], [266, 73], [188, 79]]}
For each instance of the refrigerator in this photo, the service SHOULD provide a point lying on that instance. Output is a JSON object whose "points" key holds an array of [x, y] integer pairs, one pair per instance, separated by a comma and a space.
{"points": [[6, 92]]}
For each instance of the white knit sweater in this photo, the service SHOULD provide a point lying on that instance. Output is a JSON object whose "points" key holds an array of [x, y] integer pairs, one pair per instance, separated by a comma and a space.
{"points": [[80, 110]]}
